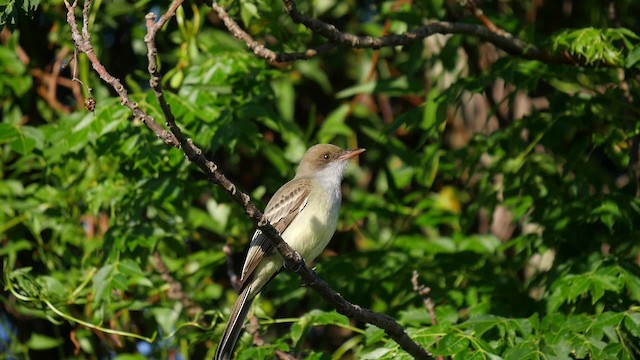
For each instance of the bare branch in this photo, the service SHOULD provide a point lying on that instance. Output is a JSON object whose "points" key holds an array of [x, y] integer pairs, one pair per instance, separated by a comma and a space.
{"points": [[502, 40], [488, 32]]}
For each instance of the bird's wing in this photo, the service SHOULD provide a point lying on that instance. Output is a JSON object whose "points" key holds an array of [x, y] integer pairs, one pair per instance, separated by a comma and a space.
{"points": [[280, 211]]}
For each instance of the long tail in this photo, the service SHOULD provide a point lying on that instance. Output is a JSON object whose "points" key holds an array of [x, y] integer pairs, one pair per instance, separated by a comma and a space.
{"points": [[234, 326]]}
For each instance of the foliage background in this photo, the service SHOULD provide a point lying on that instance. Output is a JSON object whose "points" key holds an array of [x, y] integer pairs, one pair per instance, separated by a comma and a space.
{"points": [[509, 185]]}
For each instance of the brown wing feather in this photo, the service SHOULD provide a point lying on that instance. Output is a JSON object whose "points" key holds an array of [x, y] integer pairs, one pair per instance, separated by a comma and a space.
{"points": [[280, 211]]}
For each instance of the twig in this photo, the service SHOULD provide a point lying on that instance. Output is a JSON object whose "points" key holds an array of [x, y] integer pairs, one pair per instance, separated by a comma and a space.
{"points": [[260, 49], [479, 14], [83, 44], [424, 291], [194, 154]]}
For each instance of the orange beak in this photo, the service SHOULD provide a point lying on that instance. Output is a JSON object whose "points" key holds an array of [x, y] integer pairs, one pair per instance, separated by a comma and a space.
{"points": [[350, 154]]}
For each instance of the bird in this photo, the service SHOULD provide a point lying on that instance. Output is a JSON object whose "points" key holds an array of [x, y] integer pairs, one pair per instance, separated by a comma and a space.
{"points": [[304, 211]]}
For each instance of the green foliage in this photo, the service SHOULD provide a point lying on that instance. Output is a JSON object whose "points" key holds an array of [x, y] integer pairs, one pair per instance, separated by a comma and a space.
{"points": [[86, 199], [596, 45], [11, 10]]}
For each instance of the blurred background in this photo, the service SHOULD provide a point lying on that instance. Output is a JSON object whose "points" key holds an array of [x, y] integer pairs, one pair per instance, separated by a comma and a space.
{"points": [[509, 186]]}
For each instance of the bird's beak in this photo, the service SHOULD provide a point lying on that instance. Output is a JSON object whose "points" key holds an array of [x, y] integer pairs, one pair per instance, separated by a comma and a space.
{"points": [[349, 154]]}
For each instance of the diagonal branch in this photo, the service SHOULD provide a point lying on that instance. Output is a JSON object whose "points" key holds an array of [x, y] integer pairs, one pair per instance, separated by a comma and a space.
{"points": [[176, 138]]}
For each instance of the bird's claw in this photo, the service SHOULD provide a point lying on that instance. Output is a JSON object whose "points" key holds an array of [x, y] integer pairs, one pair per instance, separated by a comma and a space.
{"points": [[299, 261]]}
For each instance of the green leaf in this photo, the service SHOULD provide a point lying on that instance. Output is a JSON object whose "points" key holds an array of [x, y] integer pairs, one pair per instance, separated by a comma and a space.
{"points": [[167, 318], [378, 353], [365, 88], [43, 342], [451, 344], [8, 133], [334, 125], [102, 284], [480, 244], [51, 288], [129, 268], [632, 57], [373, 334], [632, 323], [605, 323], [315, 318], [247, 12]]}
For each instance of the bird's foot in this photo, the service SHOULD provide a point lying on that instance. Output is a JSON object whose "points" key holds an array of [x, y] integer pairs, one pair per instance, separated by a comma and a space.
{"points": [[298, 263]]}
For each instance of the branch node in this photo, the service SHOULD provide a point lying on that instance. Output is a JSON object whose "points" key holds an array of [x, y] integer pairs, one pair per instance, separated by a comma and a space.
{"points": [[195, 149], [245, 198]]}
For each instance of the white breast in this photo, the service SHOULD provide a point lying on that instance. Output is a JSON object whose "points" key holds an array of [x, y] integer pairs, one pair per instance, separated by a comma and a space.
{"points": [[310, 232]]}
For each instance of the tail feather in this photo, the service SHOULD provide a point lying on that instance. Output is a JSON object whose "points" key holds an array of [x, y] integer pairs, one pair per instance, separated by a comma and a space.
{"points": [[234, 325]]}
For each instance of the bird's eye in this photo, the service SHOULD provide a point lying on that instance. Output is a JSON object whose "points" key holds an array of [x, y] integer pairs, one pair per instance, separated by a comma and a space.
{"points": [[326, 156]]}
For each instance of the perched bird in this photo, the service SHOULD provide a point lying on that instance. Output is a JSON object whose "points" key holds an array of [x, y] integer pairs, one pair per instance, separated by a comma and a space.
{"points": [[304, 211]]}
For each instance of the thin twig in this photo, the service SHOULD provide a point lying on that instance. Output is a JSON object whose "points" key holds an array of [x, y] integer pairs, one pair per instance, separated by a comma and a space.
{"points": [[479, 14], [260, 49], [424, 291]]}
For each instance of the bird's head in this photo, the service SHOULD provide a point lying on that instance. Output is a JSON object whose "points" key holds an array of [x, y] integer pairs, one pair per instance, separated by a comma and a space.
{"points": [[325, 160]]}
